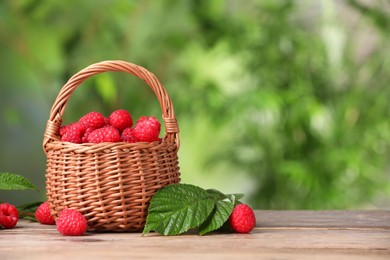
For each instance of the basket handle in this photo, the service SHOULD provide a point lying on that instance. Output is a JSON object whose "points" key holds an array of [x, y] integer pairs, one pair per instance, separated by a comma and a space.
{"points": [[57, 110]]}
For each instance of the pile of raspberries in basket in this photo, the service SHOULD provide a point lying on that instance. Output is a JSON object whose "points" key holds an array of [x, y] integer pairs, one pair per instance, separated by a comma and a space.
{"points": [[93, 127]]}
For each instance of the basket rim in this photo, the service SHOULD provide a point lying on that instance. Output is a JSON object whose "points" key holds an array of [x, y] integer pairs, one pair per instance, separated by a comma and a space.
{"points": [[105, 147]]}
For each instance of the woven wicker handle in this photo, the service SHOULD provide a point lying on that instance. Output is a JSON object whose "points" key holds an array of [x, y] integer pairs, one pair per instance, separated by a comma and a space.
{"points": [[57, 110]]}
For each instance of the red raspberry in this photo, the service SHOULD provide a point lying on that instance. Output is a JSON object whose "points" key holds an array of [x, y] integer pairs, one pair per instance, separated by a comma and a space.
{"points": [[242, 219], [93, 119], [70, 222], [84, 138], [106, 121], [43, 215], [127, 136], [73, 133], [63, 130], [105, 134], [121, 119], [9, 215], [147, 129]]}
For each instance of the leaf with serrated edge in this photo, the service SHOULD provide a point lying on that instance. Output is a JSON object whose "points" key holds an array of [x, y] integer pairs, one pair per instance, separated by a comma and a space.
{"points": [[234, 197], [216, 194], [220, 215], [11, 181], [237, 196], [178, 208]]}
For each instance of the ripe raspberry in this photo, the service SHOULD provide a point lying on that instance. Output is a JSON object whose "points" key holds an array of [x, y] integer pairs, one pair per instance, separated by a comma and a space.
{"points": [[43, 215], [63, 130], [9, 215], [121, 119], [106, 121], [105, 134], [70, 222], [127, 136], [93, 119], [242, 219], [147, 129], [73, 133], [84, 138]]}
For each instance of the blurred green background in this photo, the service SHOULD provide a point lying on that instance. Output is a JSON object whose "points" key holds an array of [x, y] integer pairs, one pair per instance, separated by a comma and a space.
{"points": [[285, 101]]}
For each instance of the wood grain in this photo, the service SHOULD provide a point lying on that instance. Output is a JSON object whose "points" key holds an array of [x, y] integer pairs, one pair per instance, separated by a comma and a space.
{"points": [[278, 235], [324, 218]]}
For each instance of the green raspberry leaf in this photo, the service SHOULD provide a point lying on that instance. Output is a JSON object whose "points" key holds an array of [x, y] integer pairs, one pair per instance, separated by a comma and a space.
{"points": [[177, 208], [218, 217], [216, 194], [11, 181], [234, 197]]}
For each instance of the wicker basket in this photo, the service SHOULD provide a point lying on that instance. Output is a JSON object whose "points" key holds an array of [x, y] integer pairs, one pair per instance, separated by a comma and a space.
{"points": [[111, 184]]}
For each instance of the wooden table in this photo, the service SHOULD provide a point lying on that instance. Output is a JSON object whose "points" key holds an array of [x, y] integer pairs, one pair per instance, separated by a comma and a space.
{"points": [[278, 235]]}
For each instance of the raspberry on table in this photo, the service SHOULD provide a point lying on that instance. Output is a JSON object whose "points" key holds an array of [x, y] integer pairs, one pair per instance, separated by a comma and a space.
{"points": [[93, 119], [127, 136], [9, 215], [70, 222], [73, 133], [242, 219], [105, 134], [43, 215], [121, 119], [147, 129]]}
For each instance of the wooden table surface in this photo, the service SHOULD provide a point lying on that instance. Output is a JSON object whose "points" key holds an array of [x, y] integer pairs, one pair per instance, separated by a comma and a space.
{"points": [[278, 235]]}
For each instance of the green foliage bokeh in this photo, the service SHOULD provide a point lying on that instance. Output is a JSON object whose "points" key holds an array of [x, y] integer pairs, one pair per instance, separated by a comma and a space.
{"points": [[285, 101]]}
